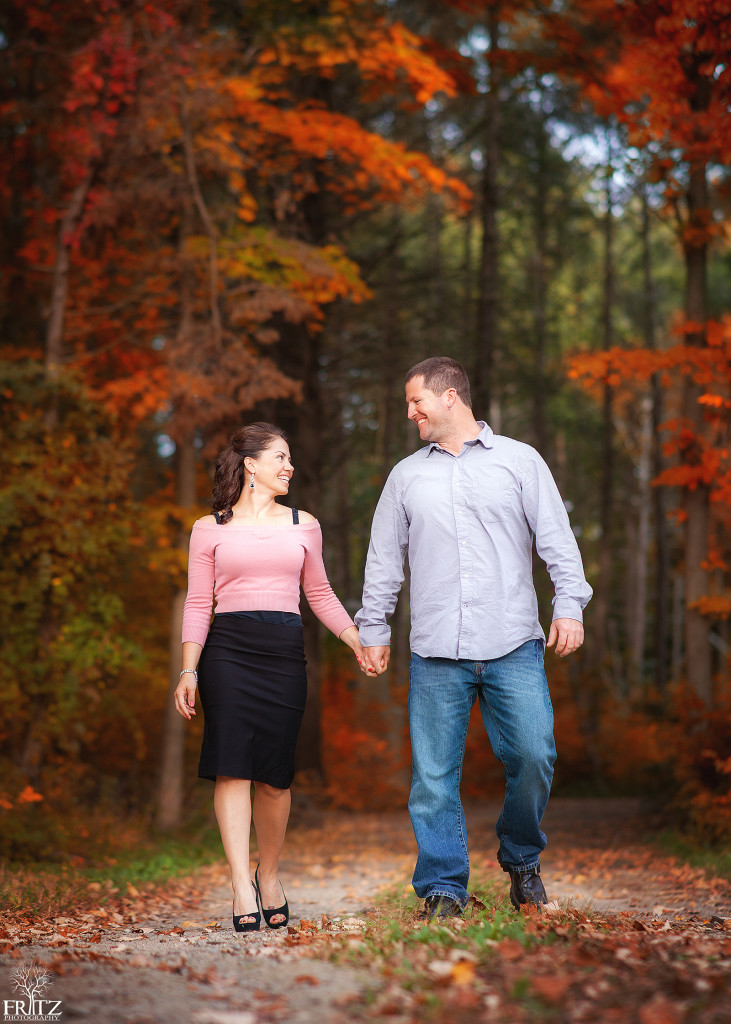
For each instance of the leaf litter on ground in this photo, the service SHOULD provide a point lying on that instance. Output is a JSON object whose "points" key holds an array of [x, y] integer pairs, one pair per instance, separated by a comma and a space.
{"points": [[568, 963]]}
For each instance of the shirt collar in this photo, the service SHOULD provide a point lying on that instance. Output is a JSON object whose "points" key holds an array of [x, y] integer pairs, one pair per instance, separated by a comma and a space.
{"points": [[486, 438]]}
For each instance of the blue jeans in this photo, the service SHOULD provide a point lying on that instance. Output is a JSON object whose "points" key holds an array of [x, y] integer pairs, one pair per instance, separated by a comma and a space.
{"points": [[516, 709]]}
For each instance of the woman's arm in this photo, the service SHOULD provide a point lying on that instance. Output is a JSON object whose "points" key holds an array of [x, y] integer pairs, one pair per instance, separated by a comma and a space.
{"points": [[350, 637], [319, 593], [196, 614], [201, 575]]}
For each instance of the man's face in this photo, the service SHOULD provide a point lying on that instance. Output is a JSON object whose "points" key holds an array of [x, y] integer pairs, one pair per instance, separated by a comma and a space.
{"points": [[429, 412]]}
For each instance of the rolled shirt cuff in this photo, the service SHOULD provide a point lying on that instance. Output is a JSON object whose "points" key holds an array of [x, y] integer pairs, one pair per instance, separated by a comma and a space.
{"points": [[374, 636], [567, 608]]}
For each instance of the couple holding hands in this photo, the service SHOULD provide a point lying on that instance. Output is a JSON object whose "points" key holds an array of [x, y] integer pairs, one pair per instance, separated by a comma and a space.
{"points": [[466, 508]]}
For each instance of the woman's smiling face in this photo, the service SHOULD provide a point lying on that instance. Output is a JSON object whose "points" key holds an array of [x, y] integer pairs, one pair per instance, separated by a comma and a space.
{"points": [[273, 469]]}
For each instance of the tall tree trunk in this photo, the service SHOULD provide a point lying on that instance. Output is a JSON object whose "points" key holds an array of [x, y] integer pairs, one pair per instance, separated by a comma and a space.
{"points": [[341, 541], [210, 228], [172, 777], [309, 435], [637, 554], [468, 298], [172, 764], [487, 338], [434, 270], [540, 225], [697, 629], [678, 622], [59, 293], [60, 287], [662, 545], [662, 566], [606, 485]]}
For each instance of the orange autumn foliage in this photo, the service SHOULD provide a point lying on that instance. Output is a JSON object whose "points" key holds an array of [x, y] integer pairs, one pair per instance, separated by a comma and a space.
{"points": [[702, 458], [702, 455], [364, 769], [667, 77], [201, 150], [29, 796]]}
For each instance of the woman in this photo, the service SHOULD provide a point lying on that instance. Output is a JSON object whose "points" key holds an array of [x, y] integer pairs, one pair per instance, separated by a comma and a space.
{"points": [[253, 685]]}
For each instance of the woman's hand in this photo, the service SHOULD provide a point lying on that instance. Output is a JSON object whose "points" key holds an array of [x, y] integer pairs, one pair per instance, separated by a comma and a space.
{"points": [[185, 696], [350, 637]]}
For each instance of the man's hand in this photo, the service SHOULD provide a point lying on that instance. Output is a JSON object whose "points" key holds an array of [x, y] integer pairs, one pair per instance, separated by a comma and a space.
{"points": [[376, 660], [567, 634]]}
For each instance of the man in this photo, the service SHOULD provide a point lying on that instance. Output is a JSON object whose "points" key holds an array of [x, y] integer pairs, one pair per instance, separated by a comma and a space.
{"points": [[466, 508]]}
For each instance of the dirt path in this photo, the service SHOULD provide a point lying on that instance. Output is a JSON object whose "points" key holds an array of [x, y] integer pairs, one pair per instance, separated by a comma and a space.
{"points": [[182, 962]]}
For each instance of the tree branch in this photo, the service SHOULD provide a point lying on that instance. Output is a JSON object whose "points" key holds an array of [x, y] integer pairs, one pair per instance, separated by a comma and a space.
{"points": [[204, 215]]}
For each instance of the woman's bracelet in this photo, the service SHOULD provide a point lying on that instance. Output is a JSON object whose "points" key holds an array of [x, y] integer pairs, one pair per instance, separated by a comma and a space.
{"points": [[191, 670]]}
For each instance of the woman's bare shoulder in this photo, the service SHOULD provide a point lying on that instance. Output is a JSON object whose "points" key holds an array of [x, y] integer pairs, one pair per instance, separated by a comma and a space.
{"points": [[205, 521], [306, 517]]}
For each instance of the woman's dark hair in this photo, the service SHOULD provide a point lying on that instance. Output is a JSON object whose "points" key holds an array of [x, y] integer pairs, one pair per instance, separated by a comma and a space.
{"points": [[247, 443]]}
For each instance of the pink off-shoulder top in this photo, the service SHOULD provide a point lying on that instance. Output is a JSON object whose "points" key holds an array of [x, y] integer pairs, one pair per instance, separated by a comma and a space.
{"points": [[257, 568]]}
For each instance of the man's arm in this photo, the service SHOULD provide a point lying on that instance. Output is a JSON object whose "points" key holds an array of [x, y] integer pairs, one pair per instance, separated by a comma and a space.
{"points": [[384, 574], [556, 545]]}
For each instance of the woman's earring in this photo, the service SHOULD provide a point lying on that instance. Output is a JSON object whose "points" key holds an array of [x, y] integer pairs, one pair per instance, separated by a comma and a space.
{"points": [[251, 485]]}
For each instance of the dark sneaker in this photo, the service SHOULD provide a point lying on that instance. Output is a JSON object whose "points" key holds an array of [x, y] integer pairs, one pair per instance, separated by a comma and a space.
{"points": [[526, 887], [440, 907]]}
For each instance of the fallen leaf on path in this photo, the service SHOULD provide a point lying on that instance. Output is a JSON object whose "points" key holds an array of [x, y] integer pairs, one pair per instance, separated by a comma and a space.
{"points": [[551, 988], [223, 1017], [511, 949], [351, 924], [463, 973], [554, 907], [660, 1010], [440, 968]]}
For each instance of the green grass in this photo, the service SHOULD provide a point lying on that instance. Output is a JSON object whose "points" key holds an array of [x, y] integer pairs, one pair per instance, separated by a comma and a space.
{"points": [[54, 888], [395, 935], [715, 860], [424, 966]]}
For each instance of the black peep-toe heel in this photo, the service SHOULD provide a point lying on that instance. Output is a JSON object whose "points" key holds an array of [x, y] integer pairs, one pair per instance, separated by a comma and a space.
{"points": [[269, 914], [248, 926]]}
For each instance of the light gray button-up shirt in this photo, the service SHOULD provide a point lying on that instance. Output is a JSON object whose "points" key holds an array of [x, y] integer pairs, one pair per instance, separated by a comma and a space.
{"points": [[468, 523]]}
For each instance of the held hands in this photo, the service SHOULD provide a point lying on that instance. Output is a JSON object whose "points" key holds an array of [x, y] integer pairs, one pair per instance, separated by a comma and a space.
{"points": [[567, 634], [373, 661]]}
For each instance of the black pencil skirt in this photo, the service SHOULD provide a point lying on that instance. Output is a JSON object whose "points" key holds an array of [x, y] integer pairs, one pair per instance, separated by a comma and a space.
{"points": [[253, 688]]}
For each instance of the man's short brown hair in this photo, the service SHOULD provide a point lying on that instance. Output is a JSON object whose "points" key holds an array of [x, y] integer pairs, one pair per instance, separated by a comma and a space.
{"points": [[440, 373]]}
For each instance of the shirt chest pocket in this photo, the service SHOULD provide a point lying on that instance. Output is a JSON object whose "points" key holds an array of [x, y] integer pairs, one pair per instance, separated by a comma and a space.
{"points": [[493, 497]]}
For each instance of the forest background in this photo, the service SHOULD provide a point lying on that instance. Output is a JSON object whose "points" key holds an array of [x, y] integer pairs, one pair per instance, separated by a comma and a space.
{"points": [[216, 212]]}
